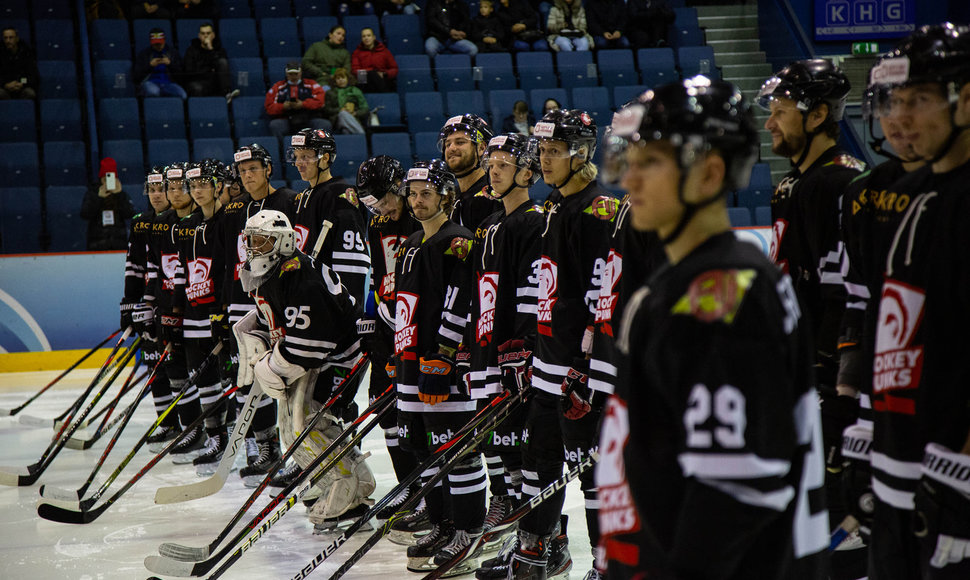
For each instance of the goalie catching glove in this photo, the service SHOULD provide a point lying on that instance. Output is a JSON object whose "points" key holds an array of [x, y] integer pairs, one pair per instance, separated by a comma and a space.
{"points": [[436, 378]]}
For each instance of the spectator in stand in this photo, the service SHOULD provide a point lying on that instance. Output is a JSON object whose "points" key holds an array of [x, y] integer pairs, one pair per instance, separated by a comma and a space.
{"points": [[106, 207], [206, 66], [376, 62], [327, 55], [520, 121], [160, 67], [648, 22], [396, 7], [199, 9], [522, 22], [567, 26], [355, 7], [549, 106], [448, 25], [607, 23], [345, 105], [18, 68], [157, 9], [295, 103], [488, 31]]}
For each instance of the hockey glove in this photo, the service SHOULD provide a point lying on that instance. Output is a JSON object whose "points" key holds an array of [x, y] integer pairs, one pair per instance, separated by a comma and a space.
{"points": [[943, 504], [576, 395], [437, 376], [391, 368], [369, 339], [272, 372], [143, 319], [126, 310], [513, 363], [463, 364], [857, 475], [170, 328], [219, 323], [838, 412]]}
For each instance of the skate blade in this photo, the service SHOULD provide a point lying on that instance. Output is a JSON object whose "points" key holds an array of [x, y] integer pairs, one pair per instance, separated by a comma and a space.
{"points": [[210, 469], [402, 538], [421, 564], [562, 572], [185, 458], [469, 566], [495, 544], [156, 447]]}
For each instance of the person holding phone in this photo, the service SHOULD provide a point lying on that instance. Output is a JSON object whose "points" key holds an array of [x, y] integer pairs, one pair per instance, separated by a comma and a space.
{"points": [[106, 206]]}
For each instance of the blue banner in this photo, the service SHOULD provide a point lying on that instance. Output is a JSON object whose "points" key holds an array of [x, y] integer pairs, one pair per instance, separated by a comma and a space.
{"points": [[863, 19]]}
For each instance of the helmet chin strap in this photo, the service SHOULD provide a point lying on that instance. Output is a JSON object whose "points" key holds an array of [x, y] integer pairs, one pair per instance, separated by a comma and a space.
{"points": [[808, 142], [951, 139], [572, 172], [690, 209], [510, 188]]}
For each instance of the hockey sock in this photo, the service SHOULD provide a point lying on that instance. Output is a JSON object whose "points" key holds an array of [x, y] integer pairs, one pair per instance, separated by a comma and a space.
{"points": [[189, 407], [402, 461], [264, 417], [466, 490], [209, 396], [498, 481]]}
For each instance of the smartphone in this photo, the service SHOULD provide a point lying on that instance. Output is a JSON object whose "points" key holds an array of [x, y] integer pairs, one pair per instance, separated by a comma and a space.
{"points": [[110, 181]]}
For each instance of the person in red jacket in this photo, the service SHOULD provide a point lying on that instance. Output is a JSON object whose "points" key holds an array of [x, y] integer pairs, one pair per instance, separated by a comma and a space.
{"points": [[295, 103], [377, 62]]}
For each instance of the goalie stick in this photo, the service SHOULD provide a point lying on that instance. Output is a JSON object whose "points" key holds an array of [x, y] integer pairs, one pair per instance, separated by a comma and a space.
{"points": [[35, 470], [77, 363], [275, 509]]}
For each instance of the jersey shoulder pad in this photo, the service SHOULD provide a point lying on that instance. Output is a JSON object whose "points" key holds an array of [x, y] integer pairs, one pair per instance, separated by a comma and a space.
{"points": [[846, 160], [290, 265], [715, 295], [603, 207], [460, 247], [350, 194]]}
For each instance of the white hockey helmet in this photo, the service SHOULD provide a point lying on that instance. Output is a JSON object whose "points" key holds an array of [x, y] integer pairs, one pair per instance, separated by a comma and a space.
{"points": [[269, 238]]}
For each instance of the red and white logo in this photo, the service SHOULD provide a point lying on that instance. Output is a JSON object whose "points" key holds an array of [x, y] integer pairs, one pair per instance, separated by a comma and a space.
{"points": [[608, 292], [778, 229], [898, 364], [617, 514], [170, 263], [487, 297], [301, 236], [199, 270], [548, 274], [240, 255], [404, 327], [276, 332], [200, 286], [389, 246]]}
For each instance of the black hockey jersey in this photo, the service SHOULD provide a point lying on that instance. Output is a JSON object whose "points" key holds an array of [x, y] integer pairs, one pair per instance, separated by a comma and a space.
{"points": [[504, 305], [919, 377], [473, 205], [386, 237], [164, 260], [574, 249], [344, 249], [136, 258], [202, 267], [428, 284], [711, 454]]}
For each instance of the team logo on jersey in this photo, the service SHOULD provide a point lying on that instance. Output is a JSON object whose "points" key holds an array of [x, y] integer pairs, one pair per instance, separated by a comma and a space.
{"points": [[898, 364], [778, 229], [608, 291], [200, 286], [715, 295], [404, 324], [548, 275], [240, 255], [301, 235], [389, 247], [170, 263], [350, 195], [617, 514], [276, 332], [290, 265], [849, 161], [487, 297], [460, 248], [603, 207]]}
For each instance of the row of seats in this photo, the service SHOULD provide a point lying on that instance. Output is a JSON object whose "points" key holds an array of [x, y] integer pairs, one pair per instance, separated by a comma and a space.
{"points": [[41, 9]]}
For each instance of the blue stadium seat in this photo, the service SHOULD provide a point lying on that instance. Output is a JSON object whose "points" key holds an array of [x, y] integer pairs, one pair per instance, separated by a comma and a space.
{"points": [[19, 164], [248, 115], [697, 60], [118, 119], [351, 152], [537, 97], [247, 76], [687, 36], [298, 185], [271, 145], [164, 118], [596, 102], [454, 72], [239, 37], [426, 145], [465, 102], [19, 200], [187, 30], [272, 9], [278, 183], [20, 221], [65, 163], [112, 79], [425, 111], [414, 73], [47, 9], [616, 67], [761, 176], [388, 107], [495, 71], [314, 28], [276, 69], [60, 119], [576, 69], [68, 231], [128, 155], [303, 8], [55, 40], [685, 16], [165, 151], [18, 121], [353, 24], [762, 216], [624, 93], [397, 145], [141, 28], [58, 79], [740, 217], [402, 34], [14, 11], [539, 192], [234, 9], [110, 39], [208, 117], [535, 70], [219, 148], [657, 66], [753, 197], [500, 103], [279, 36]]}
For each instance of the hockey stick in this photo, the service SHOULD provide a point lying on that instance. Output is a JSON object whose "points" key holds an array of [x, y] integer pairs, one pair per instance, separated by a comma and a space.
{"points": [[848, 525], [209, 486], [324, 230], [470, 436], [35, 470], [109, 408], [49, 492], [19, 408], [520, 512], [276, 508], [76, 442]]}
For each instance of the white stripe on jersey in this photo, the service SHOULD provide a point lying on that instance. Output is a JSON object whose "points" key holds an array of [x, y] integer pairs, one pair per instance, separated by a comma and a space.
{"points": [[731, 466], [351, 269], [896, 468], [308, 342], [777, 500], [903, 500], [527, 291]]}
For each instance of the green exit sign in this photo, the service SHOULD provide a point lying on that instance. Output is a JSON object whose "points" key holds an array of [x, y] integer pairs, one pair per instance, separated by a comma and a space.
{"points": [[865, 48]]}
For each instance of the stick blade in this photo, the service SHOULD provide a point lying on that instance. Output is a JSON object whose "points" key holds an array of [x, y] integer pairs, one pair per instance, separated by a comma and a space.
{"points": [[169, 567], [195, 490], [183, 553], [19, 476], [64, 515], [60, 494], [36, 421], [6, 412], [79, 443]]}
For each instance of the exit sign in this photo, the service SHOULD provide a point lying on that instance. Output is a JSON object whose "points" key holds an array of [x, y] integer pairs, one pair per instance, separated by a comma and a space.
{"points": [[864, 19]]}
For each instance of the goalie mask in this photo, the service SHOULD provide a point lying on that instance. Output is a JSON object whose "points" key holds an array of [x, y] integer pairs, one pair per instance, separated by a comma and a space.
{"points": [[269, 239]]}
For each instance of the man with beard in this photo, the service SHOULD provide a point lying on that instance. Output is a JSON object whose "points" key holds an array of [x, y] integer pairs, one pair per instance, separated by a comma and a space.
{"points": [[462, 142]]}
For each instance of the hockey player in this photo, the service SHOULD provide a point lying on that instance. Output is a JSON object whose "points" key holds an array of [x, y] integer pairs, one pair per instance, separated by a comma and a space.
{"points": [[379, 188], [431, 405], [462, 142], [715, 455], [563, 411], [921, 433], [312, 325]]}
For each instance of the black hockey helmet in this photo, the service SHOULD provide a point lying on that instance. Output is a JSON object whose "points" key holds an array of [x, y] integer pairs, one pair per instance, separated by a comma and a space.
{"points": [[473, 125], [319, 140], [377, 177], [574, 127], [436, 172], [208, 168], [251, 152], [156, 175], [175, 172], [523, 151], [809, 83]]}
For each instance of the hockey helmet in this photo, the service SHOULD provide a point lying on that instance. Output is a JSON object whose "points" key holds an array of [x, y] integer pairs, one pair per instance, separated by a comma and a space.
{"points": [[251, 152], [377, 177], [809, 83], [524, 156], [574, 127], [435, 172], [318, 140], [155, 176], [474, 126], [269, 238]]}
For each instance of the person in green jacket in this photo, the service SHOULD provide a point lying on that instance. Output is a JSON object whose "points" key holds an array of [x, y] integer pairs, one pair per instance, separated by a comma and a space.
{"points": [[326, 56], [345, 105]]}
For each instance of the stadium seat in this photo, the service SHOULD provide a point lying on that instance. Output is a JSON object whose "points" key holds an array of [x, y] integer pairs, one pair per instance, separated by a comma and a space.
{"points": [[58, 79], [426, 145], [397, 145], [740, 217], [273, 146], [112, 79], [19, 164], [539, 96], [110, 39], [208, 117], [685, 16], [425, 111], [353, 24], [298, 185], [279, 36], [141, 28], [462, 102], [414, 73], [494, 71], [68, 231], [762, 216], [20, 223], [697, 60], [314, 28], [304, 8], [596, 102], [761, 176], [219, 148], [388, 108], [234, 9], [164, 118], [249, 117], [657, 66], [239, 37], [272, 9], [616, 67], [686, 36], [351, 152], [118, 119], [539, 192], [535, 70], [128, 155], [14, 11], [500, 103], [187, 30], [47, 9], [402, 34], [753, 197], [624, 93], [276, 69], [55, 40], [576, 69], [247, 76], [454, 72], [166, 151], [17, 121], [279, 183], [65, 163], [60, 119]]}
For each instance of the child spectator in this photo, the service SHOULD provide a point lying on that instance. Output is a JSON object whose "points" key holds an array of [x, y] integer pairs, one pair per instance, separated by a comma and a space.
{"points": [[487, 29], [345, 105]]}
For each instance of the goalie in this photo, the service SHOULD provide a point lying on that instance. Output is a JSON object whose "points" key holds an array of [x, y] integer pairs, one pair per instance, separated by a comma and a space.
{"points": [[302, 336]]}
